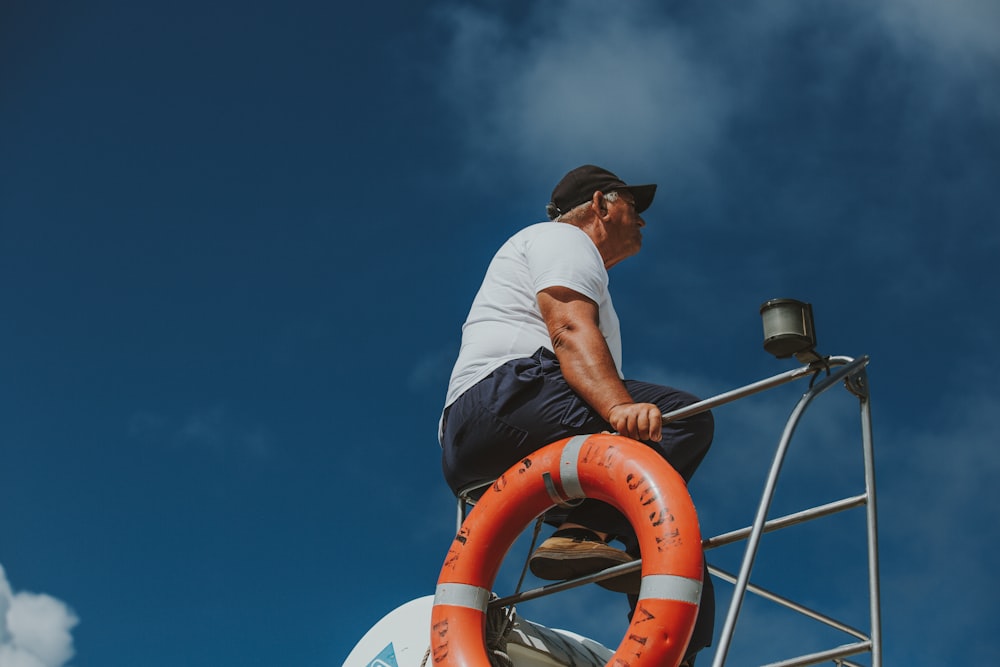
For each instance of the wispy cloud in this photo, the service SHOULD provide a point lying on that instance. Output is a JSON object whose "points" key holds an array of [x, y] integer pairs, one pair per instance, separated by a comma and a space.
{"points": [[35, 628], [431, 371], [572, 82], [214, 429], [563, 81], [960, 36]]}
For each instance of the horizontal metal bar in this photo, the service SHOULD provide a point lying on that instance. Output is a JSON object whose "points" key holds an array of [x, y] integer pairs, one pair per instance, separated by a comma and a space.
{"points": [[558, 587], [788, 520], [824, 656], [755, 388]]}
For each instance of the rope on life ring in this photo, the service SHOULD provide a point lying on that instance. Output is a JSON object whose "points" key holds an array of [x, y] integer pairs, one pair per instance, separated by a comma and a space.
{"points": [[620, 471]]}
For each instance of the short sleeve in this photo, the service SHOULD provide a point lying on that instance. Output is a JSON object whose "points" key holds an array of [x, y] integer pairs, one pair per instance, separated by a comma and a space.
{"points": [[564, 256]]}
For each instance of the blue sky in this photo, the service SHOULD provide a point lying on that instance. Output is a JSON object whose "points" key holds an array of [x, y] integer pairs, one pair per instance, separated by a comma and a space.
{"points": [[238, 240]]}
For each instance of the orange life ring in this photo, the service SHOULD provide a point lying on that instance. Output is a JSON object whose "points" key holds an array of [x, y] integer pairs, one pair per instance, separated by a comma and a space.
{"points": [[615, 469]]}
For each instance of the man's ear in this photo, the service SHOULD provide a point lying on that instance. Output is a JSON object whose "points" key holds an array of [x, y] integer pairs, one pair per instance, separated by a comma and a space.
{"points": [[599, 203]]}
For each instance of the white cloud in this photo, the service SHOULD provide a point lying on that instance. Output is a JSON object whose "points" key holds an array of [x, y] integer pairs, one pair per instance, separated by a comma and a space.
{"points": [[35, 628], [571, 83]]}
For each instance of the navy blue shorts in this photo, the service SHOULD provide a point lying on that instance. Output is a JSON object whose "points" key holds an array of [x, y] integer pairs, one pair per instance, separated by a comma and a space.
{"points": [[527, 404]]}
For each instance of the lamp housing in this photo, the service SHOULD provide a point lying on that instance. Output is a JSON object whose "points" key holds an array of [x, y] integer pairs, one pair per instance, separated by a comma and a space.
{"points": [[788, 327]]}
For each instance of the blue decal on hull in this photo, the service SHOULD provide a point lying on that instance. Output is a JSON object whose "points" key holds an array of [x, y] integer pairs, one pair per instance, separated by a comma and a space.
{"points": [[387, 658]]}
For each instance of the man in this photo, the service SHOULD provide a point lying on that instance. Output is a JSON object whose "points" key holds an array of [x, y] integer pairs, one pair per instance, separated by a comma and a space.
{"points": [[541, 360]]}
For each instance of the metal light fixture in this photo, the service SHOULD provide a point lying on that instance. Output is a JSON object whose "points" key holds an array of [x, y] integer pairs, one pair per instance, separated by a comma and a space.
{"points": [[789, 330]]}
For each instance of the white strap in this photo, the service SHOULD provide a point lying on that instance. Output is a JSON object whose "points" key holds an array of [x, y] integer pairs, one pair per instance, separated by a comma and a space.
{"points": [[670, 587], [462, 595]]}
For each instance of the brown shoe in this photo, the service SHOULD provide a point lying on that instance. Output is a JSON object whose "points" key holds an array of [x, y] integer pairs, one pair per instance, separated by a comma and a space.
{"points": [[577, 552]]}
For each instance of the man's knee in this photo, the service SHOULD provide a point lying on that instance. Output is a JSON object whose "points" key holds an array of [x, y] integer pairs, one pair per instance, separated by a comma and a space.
{"points": [[702, 428]]}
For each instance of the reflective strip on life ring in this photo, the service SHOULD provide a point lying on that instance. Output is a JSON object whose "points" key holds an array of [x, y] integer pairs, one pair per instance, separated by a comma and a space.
{"points": [[625, 473]]}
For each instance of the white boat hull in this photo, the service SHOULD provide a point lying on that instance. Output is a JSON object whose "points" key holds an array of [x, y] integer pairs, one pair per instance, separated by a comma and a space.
{"points": [[402, 639]]}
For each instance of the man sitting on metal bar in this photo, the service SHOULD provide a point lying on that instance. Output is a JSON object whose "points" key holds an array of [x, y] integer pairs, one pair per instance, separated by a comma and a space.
{"points": [[541, 360]]}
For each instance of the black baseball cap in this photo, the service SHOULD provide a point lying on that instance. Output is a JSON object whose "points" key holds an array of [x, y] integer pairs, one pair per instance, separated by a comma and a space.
{"points": [[579, 186]]}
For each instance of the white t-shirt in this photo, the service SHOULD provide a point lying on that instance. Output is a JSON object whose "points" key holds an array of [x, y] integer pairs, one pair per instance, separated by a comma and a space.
{"points": [[505, 322]]}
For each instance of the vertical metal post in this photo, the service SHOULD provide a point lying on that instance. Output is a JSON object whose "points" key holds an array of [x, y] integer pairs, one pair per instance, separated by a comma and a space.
{"points": [[871, 508]]}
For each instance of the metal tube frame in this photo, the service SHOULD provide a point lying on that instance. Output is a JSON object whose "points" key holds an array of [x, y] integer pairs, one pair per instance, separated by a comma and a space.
{"points": [[853, 374]]}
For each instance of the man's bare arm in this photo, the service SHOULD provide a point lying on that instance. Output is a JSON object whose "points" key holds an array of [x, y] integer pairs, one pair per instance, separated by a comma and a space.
{"points": [[589, 368]]}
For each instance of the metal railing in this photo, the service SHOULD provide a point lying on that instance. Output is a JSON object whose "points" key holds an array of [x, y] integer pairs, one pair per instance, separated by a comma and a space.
{"points": [[825, 374], [853, 374]]}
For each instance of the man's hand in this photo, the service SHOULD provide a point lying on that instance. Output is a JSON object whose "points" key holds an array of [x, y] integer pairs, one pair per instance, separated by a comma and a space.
{"points": [[639, 421]]}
